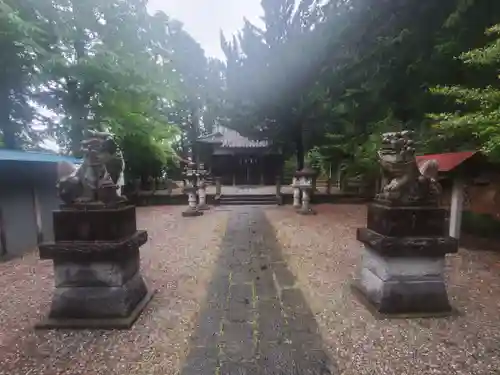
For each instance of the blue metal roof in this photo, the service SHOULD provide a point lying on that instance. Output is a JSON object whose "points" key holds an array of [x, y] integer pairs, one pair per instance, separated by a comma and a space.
{"points": [[15, 155]]}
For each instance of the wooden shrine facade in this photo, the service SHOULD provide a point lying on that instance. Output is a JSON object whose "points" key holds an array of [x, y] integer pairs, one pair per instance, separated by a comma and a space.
{"points": [[238, 160]]}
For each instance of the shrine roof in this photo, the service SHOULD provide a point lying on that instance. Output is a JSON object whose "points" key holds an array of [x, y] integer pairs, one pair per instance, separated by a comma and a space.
{"points": [[229, 138], [448, 161]]}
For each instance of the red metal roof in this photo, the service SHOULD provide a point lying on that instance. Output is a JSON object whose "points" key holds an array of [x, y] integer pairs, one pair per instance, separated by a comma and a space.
{"points": [[447, 161]]}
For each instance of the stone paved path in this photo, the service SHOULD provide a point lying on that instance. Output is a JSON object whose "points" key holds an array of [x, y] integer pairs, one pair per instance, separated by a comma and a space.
{"points": [[255, 321]]}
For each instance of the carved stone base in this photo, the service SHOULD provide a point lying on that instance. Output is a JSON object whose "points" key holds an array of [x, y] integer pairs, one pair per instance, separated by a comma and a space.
{"points": [[106, 224], [203, 207], [279, 200], [98, 283], [306, 211], [192, 212], [101, 323], [397, 221], [408, 285]]}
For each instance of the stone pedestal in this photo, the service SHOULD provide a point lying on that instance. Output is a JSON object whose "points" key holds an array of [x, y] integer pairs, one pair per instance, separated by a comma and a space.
{"points": [[218, 190], [328, 186], [279, 198], [305, 208], [98, 283], [296, 193], [202, 174], [402, 270], [192, 209], [202, 195], [218, 186]]}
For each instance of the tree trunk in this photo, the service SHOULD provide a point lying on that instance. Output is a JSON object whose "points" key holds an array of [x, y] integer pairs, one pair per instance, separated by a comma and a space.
{"points": [[194, 131], [78, 118], [6, 126], [9, 135], [299, 149], [77, 92]]}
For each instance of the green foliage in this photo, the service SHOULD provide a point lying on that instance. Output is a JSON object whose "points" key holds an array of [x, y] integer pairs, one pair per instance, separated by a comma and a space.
{"points": [[320, 79], [289, 169], [103, 64], [24, 42], [329, 77], [478, 109], [317, 161], [483, 225], [142, 130]]}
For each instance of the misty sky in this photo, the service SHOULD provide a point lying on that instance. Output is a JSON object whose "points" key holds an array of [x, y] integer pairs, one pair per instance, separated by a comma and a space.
{"points": [[203, 19]]}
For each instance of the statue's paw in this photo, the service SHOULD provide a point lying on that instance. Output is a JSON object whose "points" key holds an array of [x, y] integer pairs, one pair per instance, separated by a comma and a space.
{"points": [[83, 200]]}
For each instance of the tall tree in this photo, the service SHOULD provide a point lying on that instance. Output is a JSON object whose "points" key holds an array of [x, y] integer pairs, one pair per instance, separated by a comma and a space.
{"points": [[268, 74], [24, 40], [477, 115]]}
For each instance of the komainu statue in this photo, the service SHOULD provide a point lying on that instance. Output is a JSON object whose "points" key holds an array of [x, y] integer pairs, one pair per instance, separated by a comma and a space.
{"points": [[406, 183], [95, 181]]}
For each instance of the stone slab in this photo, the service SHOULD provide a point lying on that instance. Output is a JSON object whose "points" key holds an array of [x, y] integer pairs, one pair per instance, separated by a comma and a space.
{"points": [[361, 297], [191, 213], [237, 342], [238, 368], [240, 303], [107, 323], [94, 225], [407, 246], [271, 322], [426, 295], [202, 361], [398, 268], [88, 251], [98, 302], [407, 221], [270, 341], [309, 211], [90, 274]]}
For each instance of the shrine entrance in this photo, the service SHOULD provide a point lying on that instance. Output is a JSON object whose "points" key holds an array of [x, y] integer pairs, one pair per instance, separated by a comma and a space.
{"points": [[250, 168], [238, 161]]}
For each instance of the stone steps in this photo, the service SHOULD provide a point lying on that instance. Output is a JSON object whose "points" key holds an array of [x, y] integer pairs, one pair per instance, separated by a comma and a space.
{"points": [[248, 199]]}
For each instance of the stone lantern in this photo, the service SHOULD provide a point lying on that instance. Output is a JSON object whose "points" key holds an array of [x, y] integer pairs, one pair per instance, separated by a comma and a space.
{"points": [[190, 188], [304, 182], [202, 187]]}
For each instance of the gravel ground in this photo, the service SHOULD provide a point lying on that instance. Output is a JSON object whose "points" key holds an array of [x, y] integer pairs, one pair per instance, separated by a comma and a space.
{"points": [[325, 260], [178, 261]]}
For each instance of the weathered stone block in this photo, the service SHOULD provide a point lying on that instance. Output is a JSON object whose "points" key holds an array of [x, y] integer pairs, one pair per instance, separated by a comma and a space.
{"points": [[96, 268], [192, 213], [98, 302], [111, 224], [406, 246], [395, 221], [424, 296], [405, 285], [88, 251], [306, 211], [398, 268], [91, 274]]}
